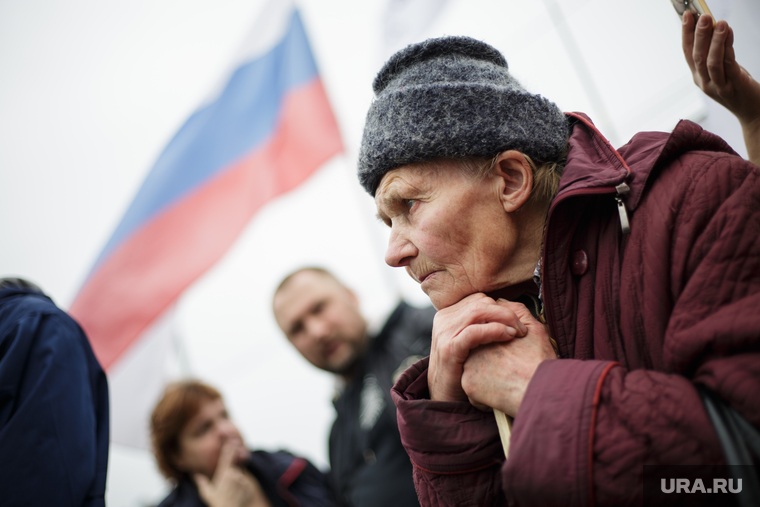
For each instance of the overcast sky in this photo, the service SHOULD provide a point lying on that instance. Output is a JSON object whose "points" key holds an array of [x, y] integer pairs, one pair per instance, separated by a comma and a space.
{"points": [[91, 92]]}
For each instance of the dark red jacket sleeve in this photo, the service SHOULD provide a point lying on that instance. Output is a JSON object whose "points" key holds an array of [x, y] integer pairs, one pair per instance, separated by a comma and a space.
{"points": [[455, 448]]}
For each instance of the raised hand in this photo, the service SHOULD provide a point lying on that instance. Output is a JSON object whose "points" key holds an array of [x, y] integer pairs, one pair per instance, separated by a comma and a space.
{"points": [[230, 486], [710, 55]]}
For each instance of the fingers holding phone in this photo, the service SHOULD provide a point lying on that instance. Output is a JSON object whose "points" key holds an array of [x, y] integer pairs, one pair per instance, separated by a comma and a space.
{"points": [[695, 7], [709, 51]]}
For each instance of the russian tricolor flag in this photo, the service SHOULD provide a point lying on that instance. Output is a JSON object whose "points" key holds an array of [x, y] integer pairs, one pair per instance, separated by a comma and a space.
{"points": [[265, 132]]}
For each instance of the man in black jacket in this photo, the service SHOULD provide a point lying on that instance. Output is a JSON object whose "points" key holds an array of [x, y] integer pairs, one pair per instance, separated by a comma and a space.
{"points": [[322, 319]]}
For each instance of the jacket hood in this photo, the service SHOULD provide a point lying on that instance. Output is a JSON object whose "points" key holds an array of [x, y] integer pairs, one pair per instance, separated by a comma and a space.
{"points": [[648, 150], [592, 163], [11, 293], [596, 165]]}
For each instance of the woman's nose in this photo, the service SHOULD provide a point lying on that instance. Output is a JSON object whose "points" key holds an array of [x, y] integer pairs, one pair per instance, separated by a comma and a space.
{"points": [[400, 250], [227, 429]]}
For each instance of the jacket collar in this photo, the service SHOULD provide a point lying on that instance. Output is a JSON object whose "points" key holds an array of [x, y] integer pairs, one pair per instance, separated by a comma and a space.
{"points": [[592, 163], [12, 292], [595, 166]]}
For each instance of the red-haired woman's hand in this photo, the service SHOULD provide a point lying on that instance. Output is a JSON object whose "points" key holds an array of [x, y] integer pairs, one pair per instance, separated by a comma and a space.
{"points": [[231, 486]]}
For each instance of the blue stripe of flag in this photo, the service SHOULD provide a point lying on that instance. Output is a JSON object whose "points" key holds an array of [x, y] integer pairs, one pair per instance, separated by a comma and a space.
{"points": [[236, 123]]}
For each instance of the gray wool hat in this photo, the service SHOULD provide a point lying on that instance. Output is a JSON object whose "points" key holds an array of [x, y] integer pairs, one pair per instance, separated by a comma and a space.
{"points": [[453, 97]]}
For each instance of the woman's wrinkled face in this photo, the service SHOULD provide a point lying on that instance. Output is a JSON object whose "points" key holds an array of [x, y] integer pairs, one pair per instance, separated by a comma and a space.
{"points": [[451, 232], [202, 438]]}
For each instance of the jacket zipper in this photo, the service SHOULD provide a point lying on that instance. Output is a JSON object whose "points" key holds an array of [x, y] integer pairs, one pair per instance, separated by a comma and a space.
{"points": [[622, 190], [619, 191]]}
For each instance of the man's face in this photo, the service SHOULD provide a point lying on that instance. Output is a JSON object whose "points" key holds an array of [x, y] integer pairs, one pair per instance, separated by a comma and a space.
{"points": [[321, 318]]}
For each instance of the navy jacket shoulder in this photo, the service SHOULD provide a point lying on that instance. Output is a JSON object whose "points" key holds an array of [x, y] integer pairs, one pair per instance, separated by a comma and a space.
{"points": [[53, 406]]}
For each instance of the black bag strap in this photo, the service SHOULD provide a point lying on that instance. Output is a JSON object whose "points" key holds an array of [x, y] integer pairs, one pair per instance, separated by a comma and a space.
{"points": [[739, 439]]}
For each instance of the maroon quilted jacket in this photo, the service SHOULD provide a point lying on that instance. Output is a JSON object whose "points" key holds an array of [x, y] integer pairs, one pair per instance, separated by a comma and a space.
{"points": [[639, 319]]}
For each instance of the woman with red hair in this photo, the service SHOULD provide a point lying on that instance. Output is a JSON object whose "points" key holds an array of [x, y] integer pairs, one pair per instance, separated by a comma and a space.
{"points": [[197, 446]]}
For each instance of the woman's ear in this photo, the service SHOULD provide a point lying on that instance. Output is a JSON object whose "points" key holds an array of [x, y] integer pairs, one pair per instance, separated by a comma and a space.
{"points": [[515, 179]]}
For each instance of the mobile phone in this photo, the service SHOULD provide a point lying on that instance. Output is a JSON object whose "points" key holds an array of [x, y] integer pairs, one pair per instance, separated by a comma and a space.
{"points": [[697, 8]]}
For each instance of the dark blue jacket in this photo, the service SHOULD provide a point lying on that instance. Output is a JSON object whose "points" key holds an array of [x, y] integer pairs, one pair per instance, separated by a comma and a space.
{"points": [[53, 407], [288, 481]]}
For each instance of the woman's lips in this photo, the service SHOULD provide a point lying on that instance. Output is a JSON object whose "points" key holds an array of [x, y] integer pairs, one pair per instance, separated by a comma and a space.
{"points": [[427, 277], [422, 278]]}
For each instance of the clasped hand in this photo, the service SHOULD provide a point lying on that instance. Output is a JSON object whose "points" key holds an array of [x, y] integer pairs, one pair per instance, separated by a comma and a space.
{"points": [[486, 352]]}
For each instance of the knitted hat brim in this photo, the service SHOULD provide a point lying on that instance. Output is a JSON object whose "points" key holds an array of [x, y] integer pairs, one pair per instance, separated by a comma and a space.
{"points": [[456, 120]]}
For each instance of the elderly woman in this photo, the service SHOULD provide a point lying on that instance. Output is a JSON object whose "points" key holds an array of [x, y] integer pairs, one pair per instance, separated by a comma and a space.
{"points": [[644, 264], [199, 448]]}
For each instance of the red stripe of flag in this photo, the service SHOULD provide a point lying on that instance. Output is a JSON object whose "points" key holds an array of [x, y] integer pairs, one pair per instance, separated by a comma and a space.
{"points": [[152, 268]]}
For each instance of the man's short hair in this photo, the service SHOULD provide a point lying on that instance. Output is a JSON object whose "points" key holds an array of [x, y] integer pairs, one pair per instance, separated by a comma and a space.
{"points": [[179, 403], [314, 269]]}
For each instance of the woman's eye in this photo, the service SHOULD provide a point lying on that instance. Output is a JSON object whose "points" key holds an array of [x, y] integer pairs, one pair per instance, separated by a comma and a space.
{"points": [[203, 429]]}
